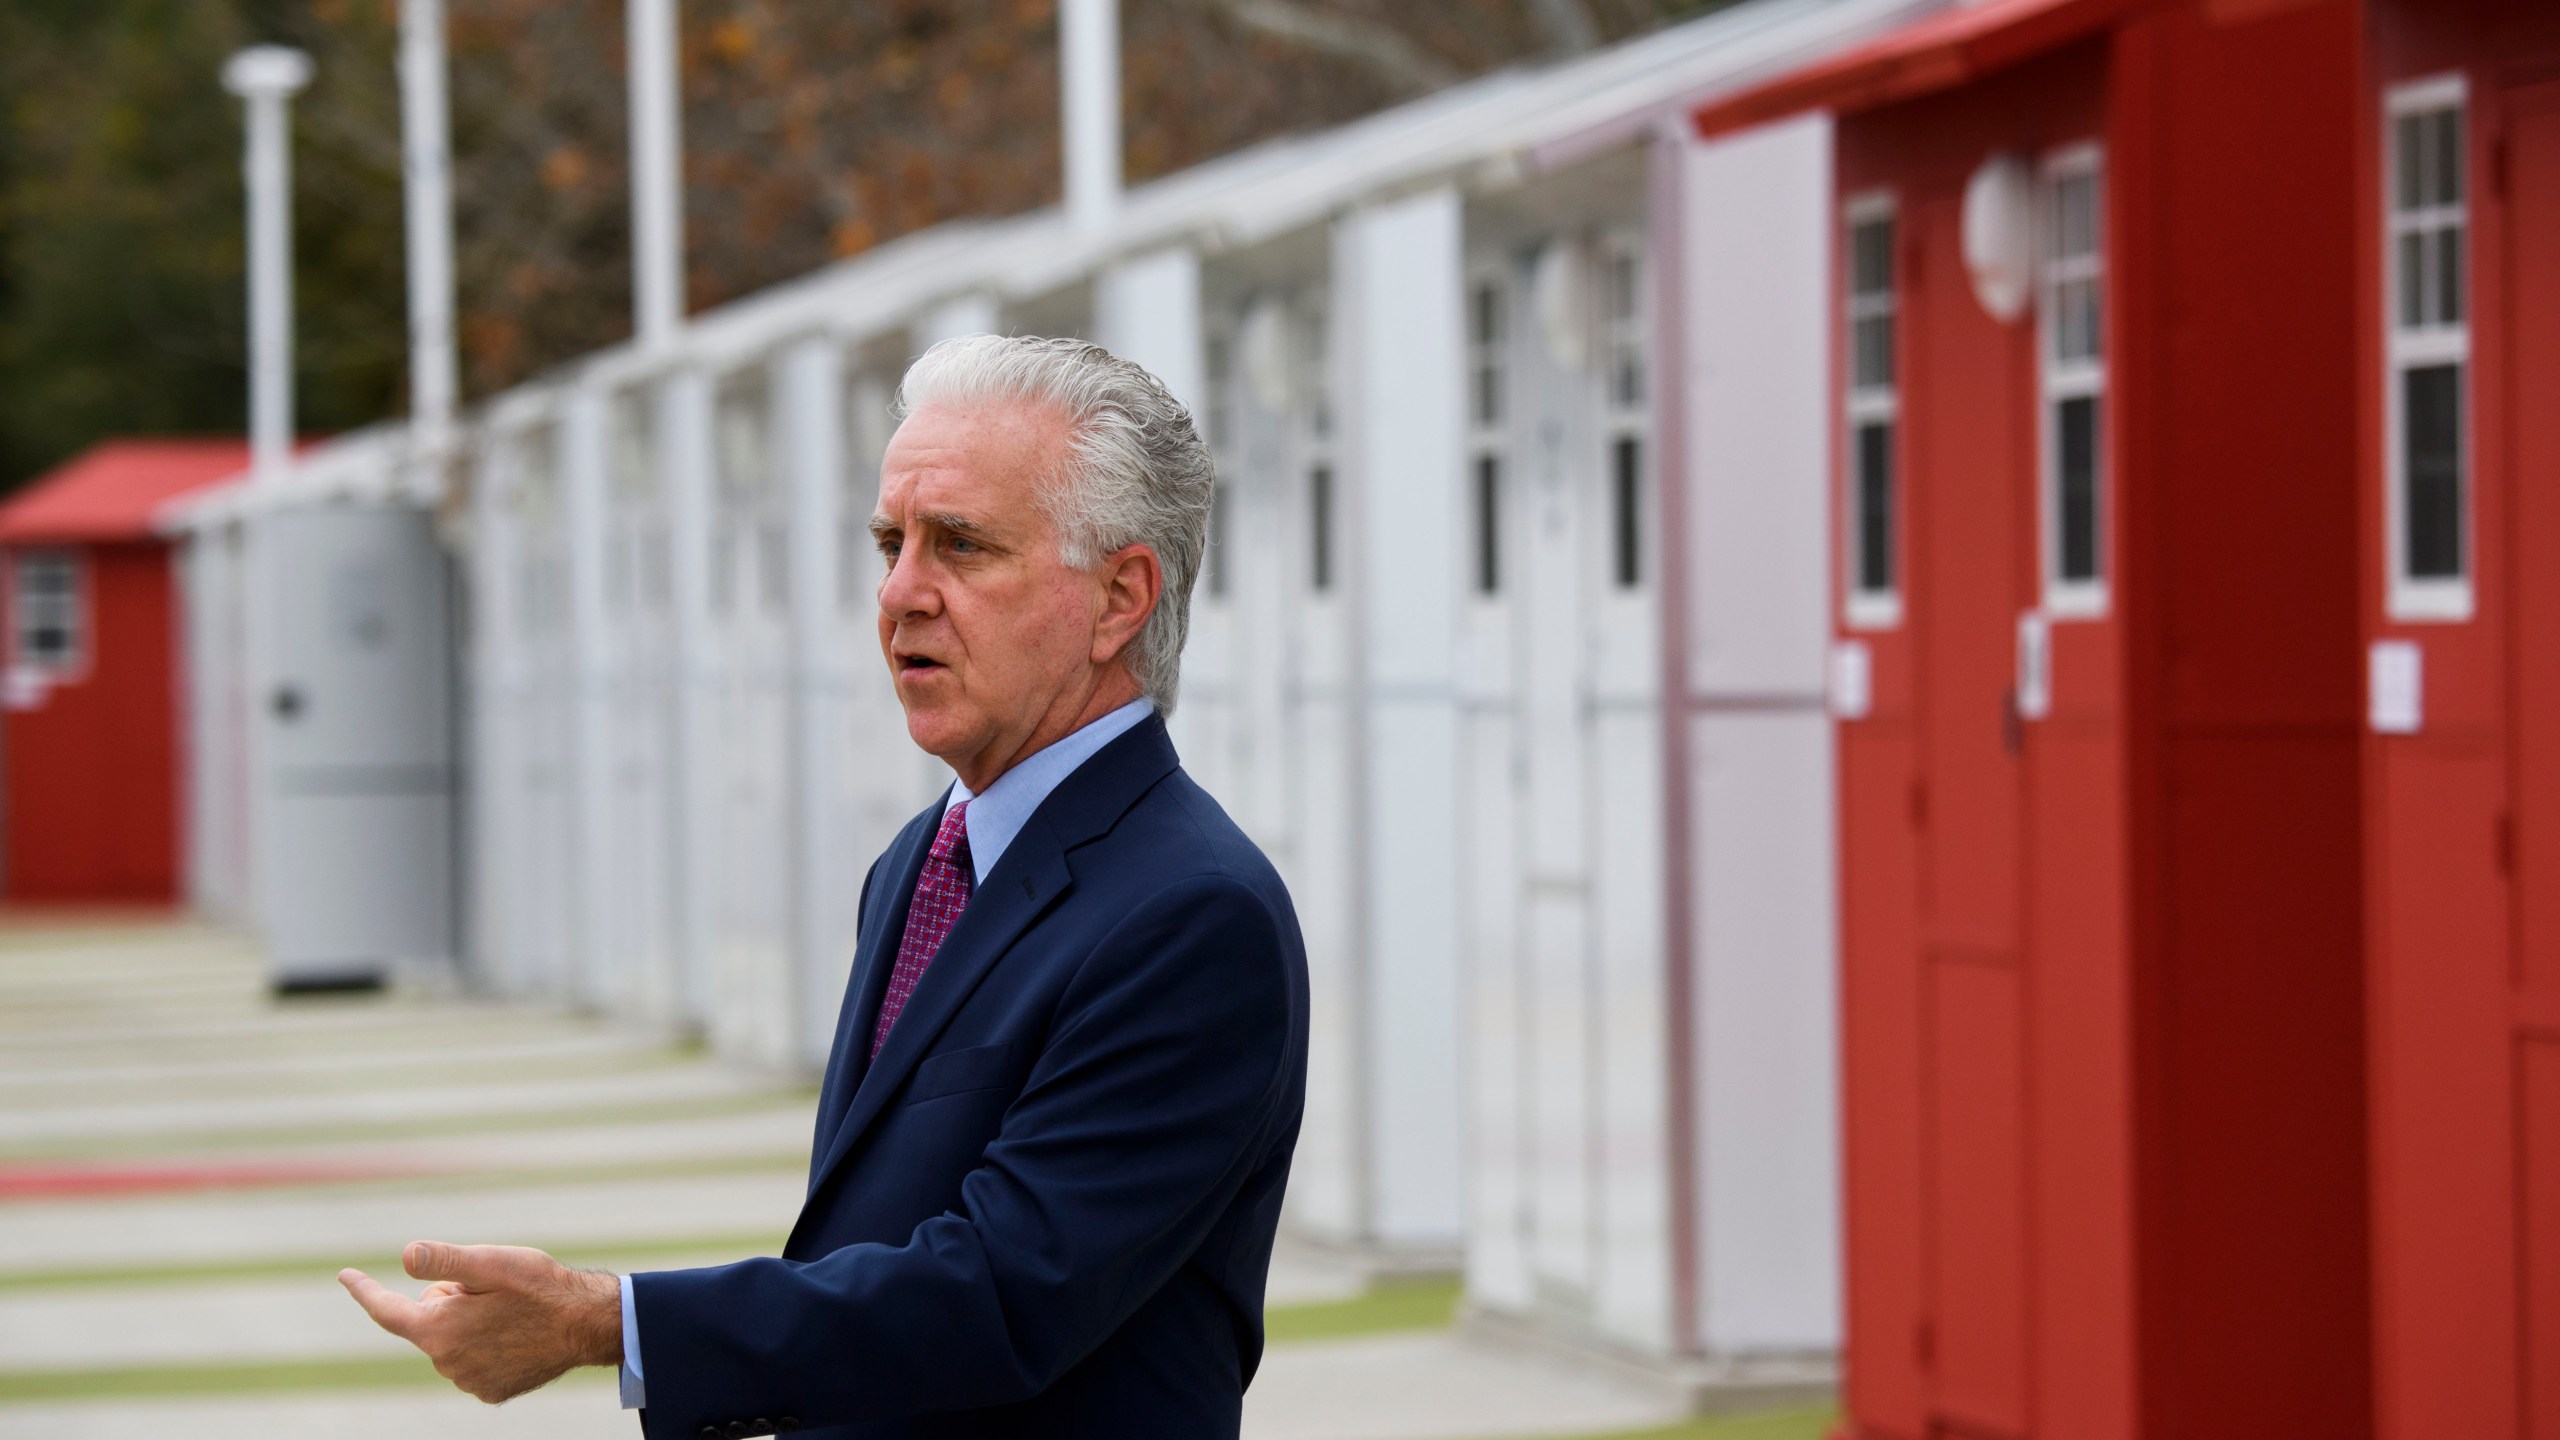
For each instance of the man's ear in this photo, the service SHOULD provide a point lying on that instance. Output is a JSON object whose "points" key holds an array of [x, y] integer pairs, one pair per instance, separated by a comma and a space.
{"points": [[1132, 584]]}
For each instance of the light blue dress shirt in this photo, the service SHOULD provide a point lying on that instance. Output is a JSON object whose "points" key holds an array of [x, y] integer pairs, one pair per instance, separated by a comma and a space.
{"points": [[993, 820]]}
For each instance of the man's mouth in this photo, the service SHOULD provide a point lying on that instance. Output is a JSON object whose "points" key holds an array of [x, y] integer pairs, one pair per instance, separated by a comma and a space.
{"points": [[918, 664]]}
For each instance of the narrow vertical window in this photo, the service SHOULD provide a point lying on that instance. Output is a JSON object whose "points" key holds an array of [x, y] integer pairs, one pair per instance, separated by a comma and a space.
{"points": [[773, 566], [1872, 409], [2073, 350], [1219, 355], [633, 492], [1315, 392], [1488, 405], [2429, 353], [1626, 510], [1627, 418], [1320, 526], [51, 626], [1221, 500], [1221, 439]]}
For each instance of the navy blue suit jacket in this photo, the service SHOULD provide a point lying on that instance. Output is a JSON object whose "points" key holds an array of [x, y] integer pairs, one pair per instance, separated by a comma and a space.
{"points": [[1046, 1209]]}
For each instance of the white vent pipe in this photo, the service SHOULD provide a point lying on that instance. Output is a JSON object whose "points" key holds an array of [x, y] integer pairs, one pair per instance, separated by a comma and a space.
{"points": [[267, 77], [426, 147], [1089, 99], [657, 173]]}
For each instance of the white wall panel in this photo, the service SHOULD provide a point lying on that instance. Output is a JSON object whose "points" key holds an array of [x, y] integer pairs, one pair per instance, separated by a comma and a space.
{"points": [[583, 437], [1147, 309], [753, 980], [639, 913], [810, 423], [1762, 879], [682, 414], [497, 716], [1397, 276], [1758, 232]]}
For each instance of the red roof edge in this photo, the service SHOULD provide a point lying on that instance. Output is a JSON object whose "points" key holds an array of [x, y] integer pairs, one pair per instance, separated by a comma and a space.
{"points": [[1939, 52], [114, 490]]}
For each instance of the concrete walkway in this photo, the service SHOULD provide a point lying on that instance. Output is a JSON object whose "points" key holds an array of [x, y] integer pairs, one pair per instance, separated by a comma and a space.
{"points": [[185, 1163]]}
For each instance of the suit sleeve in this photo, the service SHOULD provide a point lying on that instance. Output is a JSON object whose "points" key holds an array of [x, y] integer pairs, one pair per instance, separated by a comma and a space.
{"points": [[1161, 1087]]}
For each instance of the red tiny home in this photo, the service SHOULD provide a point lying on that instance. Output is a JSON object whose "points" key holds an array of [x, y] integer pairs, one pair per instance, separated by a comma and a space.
{"points": [[2458, 271], [2201, 797], [2103, 791], [89, 726]]}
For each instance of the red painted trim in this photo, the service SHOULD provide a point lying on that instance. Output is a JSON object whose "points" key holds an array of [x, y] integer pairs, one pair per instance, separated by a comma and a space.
{"points": [[1946, 50], [65, 1182]]}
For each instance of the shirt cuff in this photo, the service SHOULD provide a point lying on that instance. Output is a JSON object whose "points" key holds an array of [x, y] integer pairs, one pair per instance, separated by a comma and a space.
{"points": [[634, 1394]]}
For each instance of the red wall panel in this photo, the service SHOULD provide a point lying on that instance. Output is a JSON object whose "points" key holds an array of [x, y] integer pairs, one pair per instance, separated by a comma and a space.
{"points": [[2465, 851], [92, 773], [2130, 952]]}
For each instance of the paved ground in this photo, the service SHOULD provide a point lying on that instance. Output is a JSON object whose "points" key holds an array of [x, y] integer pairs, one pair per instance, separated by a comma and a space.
{"points": [[184, 1164]]}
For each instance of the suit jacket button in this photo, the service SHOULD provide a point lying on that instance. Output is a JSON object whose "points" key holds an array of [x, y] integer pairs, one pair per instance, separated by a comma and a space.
{"points": [[763, 1426], [786, 1424], [738, 1430], [712, 1432]]}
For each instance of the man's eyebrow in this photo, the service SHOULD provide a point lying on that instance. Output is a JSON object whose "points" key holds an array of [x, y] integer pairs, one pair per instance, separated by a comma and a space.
{"points": [[884, 527]]}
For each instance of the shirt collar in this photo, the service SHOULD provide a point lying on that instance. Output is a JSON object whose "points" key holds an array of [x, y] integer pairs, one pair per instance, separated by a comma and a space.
{"points": [[997, 816]]}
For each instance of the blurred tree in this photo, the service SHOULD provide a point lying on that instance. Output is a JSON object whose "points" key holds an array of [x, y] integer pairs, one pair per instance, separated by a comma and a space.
{"points": [[812, 131]]}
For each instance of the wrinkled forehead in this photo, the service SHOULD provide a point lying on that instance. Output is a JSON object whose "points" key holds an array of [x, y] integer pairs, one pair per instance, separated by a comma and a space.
{"points": [[994, 457]]}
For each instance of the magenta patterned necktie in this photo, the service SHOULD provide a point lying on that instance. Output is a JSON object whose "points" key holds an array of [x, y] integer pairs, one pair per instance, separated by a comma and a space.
{"points": [[942, 892]]}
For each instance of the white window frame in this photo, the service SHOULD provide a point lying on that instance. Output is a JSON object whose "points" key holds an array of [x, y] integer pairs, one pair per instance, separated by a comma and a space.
{"points": [[78, 607], [1489, 438], [1864, 405], [2058, 381], [1622, 419], [2408, 597]]}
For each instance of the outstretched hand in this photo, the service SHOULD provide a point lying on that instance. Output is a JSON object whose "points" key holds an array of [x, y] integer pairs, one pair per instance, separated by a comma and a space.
{"points": [[498, 1320]]}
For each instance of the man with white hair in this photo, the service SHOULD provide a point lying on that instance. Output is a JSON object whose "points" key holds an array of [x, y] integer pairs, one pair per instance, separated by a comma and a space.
{"points": [[1072, 1058]]}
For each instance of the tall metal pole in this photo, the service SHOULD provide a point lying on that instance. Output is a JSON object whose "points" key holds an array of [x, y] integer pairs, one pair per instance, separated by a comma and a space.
{"points": [[267, 76], [426, 152], [1089, 98], [657, 174]]}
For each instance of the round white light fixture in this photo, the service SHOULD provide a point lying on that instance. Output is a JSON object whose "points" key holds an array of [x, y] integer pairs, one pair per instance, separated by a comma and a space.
{"points": [[1262, 352], [2000, 236], [266, 70], [1559, 296]]}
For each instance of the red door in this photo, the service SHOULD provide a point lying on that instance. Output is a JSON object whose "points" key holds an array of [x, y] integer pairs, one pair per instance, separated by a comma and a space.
{"points": [[1973, 518], [2533, 398]]}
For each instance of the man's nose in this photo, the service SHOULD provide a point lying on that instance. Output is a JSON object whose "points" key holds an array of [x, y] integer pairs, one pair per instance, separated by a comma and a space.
{"points": [[907, 589]]}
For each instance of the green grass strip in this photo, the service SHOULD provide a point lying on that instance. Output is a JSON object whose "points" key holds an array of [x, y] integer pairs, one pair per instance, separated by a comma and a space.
{"points": [[1418, 1304], [1392, 1306], [323, 1267]]}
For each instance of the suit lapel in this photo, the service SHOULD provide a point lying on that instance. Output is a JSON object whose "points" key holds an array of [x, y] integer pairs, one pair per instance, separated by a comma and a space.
{"points": [[1032, 877], [1016, 892], [876, 952]]}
